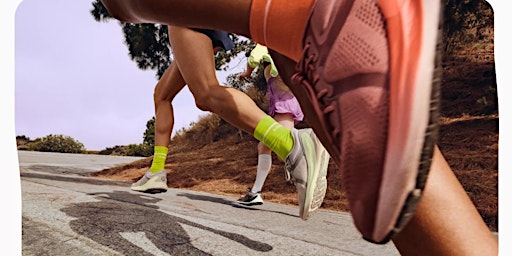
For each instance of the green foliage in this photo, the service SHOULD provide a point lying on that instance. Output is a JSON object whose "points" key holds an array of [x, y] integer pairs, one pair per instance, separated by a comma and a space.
{"points": [[99, 12], [148, 44], [22, 137], [242, 45], [57, 143], [143, 150], [233, 81], [256, 80], [115, 150], [23, 142], [149, 134]]}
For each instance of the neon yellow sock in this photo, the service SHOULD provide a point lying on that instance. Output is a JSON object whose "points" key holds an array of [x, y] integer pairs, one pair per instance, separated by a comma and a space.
{"points": [[159, 158], [275, 136]]}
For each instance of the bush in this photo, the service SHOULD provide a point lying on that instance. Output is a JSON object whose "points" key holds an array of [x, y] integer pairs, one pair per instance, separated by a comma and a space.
{"points": [[23, 142], [143, 150], [115, 151], [149, 133], [57, 143]]}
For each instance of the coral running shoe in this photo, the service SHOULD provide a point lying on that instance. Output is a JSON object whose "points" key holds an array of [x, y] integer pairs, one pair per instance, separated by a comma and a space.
{"points": [[368, 84]]}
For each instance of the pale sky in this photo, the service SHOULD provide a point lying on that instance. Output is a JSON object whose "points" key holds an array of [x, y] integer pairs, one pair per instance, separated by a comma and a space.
{"points": [[74, 77]]}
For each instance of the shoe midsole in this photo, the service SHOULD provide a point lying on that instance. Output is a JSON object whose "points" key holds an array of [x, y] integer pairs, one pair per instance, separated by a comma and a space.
{"points": [[412, 91]]}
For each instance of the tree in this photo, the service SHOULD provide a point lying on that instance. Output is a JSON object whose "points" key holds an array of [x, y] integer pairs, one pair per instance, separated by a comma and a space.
{"points": [[149, 134], [148, 44]]}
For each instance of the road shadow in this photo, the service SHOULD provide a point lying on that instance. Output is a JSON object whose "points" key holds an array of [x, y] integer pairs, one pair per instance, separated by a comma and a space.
{"points": [[25, 172], [228, 202], [121, 212]]}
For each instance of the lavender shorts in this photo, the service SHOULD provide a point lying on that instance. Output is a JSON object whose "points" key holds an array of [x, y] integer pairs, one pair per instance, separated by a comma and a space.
{"points": [[282, 101]]}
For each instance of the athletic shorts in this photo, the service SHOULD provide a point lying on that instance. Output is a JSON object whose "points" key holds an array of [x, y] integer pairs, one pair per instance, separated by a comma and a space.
{"points": [[219, 38], [282, 101]]}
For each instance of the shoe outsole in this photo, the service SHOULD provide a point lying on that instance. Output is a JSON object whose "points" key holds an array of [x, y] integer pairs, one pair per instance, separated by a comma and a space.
{"points": [[151, 186], [312, 174], [250, 204], [316, 190], [391, 219], [429, 142]]}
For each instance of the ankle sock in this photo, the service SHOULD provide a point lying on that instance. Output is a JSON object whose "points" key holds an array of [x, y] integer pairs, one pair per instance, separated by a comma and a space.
{"points": [[292, 17], [275, 136], [159, 158]]}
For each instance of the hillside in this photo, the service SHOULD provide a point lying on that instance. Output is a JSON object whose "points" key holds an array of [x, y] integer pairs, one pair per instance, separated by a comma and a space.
{"points": [[214, 157]]}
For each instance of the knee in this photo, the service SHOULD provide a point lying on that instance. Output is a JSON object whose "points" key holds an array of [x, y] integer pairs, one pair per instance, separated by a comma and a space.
{"points": [[205, 98], [203, 101], [158, 95]]}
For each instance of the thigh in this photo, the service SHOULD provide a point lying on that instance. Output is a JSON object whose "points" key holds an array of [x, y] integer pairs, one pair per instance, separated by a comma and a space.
{"points": [[193, 52], [227, 15]]}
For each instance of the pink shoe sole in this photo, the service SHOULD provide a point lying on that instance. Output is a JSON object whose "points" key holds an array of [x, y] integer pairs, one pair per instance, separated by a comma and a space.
{"points": [[368, 85]]}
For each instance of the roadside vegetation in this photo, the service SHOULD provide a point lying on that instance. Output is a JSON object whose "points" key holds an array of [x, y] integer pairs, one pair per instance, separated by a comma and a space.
{"points": [[212, 156]]}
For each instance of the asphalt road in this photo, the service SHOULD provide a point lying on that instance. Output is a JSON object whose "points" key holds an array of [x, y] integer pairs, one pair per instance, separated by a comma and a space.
{"points": [[65, 212]]}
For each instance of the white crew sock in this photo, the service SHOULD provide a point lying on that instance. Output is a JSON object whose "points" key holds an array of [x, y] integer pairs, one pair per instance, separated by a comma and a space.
{"points": [[264, 164]]}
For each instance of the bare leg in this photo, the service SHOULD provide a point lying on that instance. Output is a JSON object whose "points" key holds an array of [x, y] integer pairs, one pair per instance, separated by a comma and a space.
{"points": [[264, 153], [166, 89], [225, 15], [446, 221], [193, 53]]}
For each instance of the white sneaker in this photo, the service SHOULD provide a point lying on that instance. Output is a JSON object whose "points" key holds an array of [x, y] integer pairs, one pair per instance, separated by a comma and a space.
{"points": [[151, 182], [306, 166]]}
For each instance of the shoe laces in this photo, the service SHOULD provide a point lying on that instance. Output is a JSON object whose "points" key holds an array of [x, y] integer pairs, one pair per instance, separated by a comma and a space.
{"points": [[288, 170], [307, 76], [249, 194]]}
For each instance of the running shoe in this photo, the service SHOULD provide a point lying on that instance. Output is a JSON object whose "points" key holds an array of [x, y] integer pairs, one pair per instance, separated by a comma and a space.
{"points": [[251, 198], [368, 83], [306, 166], [151, 182]]}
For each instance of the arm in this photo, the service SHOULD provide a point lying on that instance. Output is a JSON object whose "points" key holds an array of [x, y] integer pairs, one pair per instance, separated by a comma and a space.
{"points": [[247, 73]]}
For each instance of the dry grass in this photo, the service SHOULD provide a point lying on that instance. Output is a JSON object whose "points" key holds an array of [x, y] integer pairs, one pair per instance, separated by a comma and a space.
{"points": [[215, 157]]}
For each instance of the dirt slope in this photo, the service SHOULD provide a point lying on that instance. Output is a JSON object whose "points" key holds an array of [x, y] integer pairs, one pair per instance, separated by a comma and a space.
{"points": [[225, 163]]}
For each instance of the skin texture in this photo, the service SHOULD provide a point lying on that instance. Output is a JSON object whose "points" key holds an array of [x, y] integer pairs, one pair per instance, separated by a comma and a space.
{"points": [[194, 66], [445, 223]]}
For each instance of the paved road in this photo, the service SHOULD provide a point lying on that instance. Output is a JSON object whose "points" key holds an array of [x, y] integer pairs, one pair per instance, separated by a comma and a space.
{"points": [[65, 212]]}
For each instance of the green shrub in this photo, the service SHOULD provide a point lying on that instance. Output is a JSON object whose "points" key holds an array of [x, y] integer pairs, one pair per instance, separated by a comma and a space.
{"points": [[143, 150], [23, 142], [57, 143], [149, 133], [115, 151]]}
